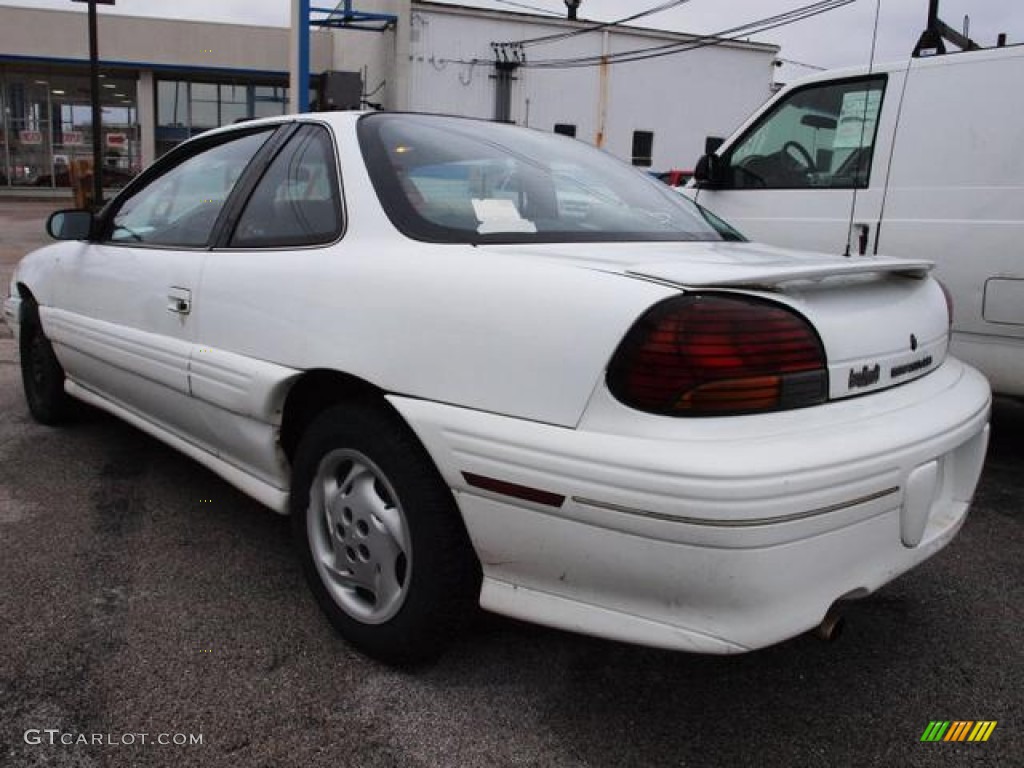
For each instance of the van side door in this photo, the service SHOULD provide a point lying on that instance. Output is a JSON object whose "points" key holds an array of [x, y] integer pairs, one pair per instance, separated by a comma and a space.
{"points": [[955, 195], [793, 176]]}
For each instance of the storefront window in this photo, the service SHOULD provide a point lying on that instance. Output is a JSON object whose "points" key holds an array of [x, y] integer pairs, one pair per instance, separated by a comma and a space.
{"points": [[234, 104], [47, 125], [269, 100], [172, 104], [187, 108], [203, 103], [27, 117], [46, 120]]}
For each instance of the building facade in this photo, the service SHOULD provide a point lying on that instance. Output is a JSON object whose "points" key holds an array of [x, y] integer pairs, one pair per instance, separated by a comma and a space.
{"points": [[163, 81], [547, 73]]}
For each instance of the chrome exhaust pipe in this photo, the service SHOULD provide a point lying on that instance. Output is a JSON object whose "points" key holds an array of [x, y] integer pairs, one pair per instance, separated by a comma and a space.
{"points": [[831, 626]]}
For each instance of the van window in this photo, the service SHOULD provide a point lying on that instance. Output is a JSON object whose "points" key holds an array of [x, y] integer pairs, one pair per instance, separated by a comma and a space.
{"points": [[819, 136]]}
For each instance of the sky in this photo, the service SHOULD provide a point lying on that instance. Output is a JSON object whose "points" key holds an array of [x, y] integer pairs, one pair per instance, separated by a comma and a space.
{"points": [[837, 39]]}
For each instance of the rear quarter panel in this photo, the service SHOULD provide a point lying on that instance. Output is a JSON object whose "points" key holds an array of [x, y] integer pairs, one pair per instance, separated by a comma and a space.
{"points": [[485, 330]]}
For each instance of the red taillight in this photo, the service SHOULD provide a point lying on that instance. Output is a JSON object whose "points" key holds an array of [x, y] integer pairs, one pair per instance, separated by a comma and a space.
{"points": [[715, 354]]}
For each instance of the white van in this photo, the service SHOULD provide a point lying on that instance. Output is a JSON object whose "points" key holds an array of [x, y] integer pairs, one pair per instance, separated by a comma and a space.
{"points": [[922, 159]]}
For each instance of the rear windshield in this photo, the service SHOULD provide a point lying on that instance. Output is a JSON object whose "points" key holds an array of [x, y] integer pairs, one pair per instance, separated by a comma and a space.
{"points": [[443, 179]]}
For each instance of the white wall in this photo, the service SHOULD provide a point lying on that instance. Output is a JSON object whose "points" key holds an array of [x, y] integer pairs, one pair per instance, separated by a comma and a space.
{"points": [[684, 98], [681, 98], [381, 57]]}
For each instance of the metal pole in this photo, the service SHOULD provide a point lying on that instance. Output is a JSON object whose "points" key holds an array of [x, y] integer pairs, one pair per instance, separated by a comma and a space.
{"points": [[97, 112], [602, 94], [303, 100], [298, 58]]}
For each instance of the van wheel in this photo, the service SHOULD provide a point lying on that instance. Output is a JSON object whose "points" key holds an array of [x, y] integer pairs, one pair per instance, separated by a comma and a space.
{"points": [[381, 540], [41, 374]]}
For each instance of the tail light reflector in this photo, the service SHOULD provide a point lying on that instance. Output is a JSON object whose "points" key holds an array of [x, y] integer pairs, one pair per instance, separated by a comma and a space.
{"points": [[717, 355]]}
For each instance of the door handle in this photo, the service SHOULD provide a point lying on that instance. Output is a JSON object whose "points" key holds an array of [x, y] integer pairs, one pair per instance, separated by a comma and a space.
{"points": [[179, 301]]}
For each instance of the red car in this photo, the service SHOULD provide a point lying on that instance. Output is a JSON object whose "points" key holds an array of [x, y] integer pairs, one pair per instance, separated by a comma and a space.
{"points": [[675, 177]]}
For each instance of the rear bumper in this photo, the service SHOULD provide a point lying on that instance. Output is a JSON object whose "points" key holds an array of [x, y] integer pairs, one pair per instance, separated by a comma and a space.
{"points": [[712, 535]]}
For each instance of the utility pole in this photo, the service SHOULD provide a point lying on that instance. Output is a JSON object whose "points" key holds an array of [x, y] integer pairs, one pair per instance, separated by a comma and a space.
{"points": [[97, 110]]}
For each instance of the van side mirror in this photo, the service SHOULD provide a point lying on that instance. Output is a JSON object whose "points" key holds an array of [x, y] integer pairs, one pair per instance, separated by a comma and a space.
{"points": [[71, 224], [712, 143], [709, 172]]}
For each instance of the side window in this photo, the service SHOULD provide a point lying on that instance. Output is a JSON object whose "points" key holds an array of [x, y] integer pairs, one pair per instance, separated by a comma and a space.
{"points": [[297, 201], [180, 207], [820, 136]]}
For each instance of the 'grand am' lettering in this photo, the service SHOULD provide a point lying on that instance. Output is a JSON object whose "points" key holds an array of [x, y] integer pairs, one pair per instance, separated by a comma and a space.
{"points": [[903, 370]]}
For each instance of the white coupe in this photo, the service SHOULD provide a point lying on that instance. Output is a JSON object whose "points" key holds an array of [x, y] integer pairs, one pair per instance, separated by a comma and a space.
{"points": [[483, 364]]}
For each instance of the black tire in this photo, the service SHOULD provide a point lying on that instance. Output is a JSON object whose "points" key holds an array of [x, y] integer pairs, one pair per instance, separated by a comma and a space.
{"points": [[387, 556], [42, 376]]}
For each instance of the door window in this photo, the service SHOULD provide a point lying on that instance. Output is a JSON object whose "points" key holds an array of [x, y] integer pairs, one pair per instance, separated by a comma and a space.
{"points": [[180, 207], [297, 201], [820, 136]]}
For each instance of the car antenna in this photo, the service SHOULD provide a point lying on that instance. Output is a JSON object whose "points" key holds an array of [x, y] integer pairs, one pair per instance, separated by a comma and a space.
{"points": [[863, 129]]}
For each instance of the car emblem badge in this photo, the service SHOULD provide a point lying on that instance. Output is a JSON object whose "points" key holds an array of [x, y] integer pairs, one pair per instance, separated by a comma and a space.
{"points": [[865, 377], [913, 343]]}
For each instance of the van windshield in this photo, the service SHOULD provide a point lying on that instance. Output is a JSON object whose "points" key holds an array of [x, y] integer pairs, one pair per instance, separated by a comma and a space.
{"points": [[443, 179]]}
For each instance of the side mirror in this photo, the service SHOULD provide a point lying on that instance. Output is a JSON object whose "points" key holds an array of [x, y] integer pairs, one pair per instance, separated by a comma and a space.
{"points": [[708, 172], [712, 143], [71, 224]]}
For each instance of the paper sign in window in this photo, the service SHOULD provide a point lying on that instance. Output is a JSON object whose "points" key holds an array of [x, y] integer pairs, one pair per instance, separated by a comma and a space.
{"points": [[857, 119]]}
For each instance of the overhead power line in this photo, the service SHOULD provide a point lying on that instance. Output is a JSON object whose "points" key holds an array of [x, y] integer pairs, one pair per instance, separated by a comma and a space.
{"points": [[802, 64], [668, 49], [731, 34], [546, 11], [559, 36]]}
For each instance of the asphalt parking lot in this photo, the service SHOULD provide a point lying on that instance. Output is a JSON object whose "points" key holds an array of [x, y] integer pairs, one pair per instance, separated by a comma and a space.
{"points": [[143, 595]]}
